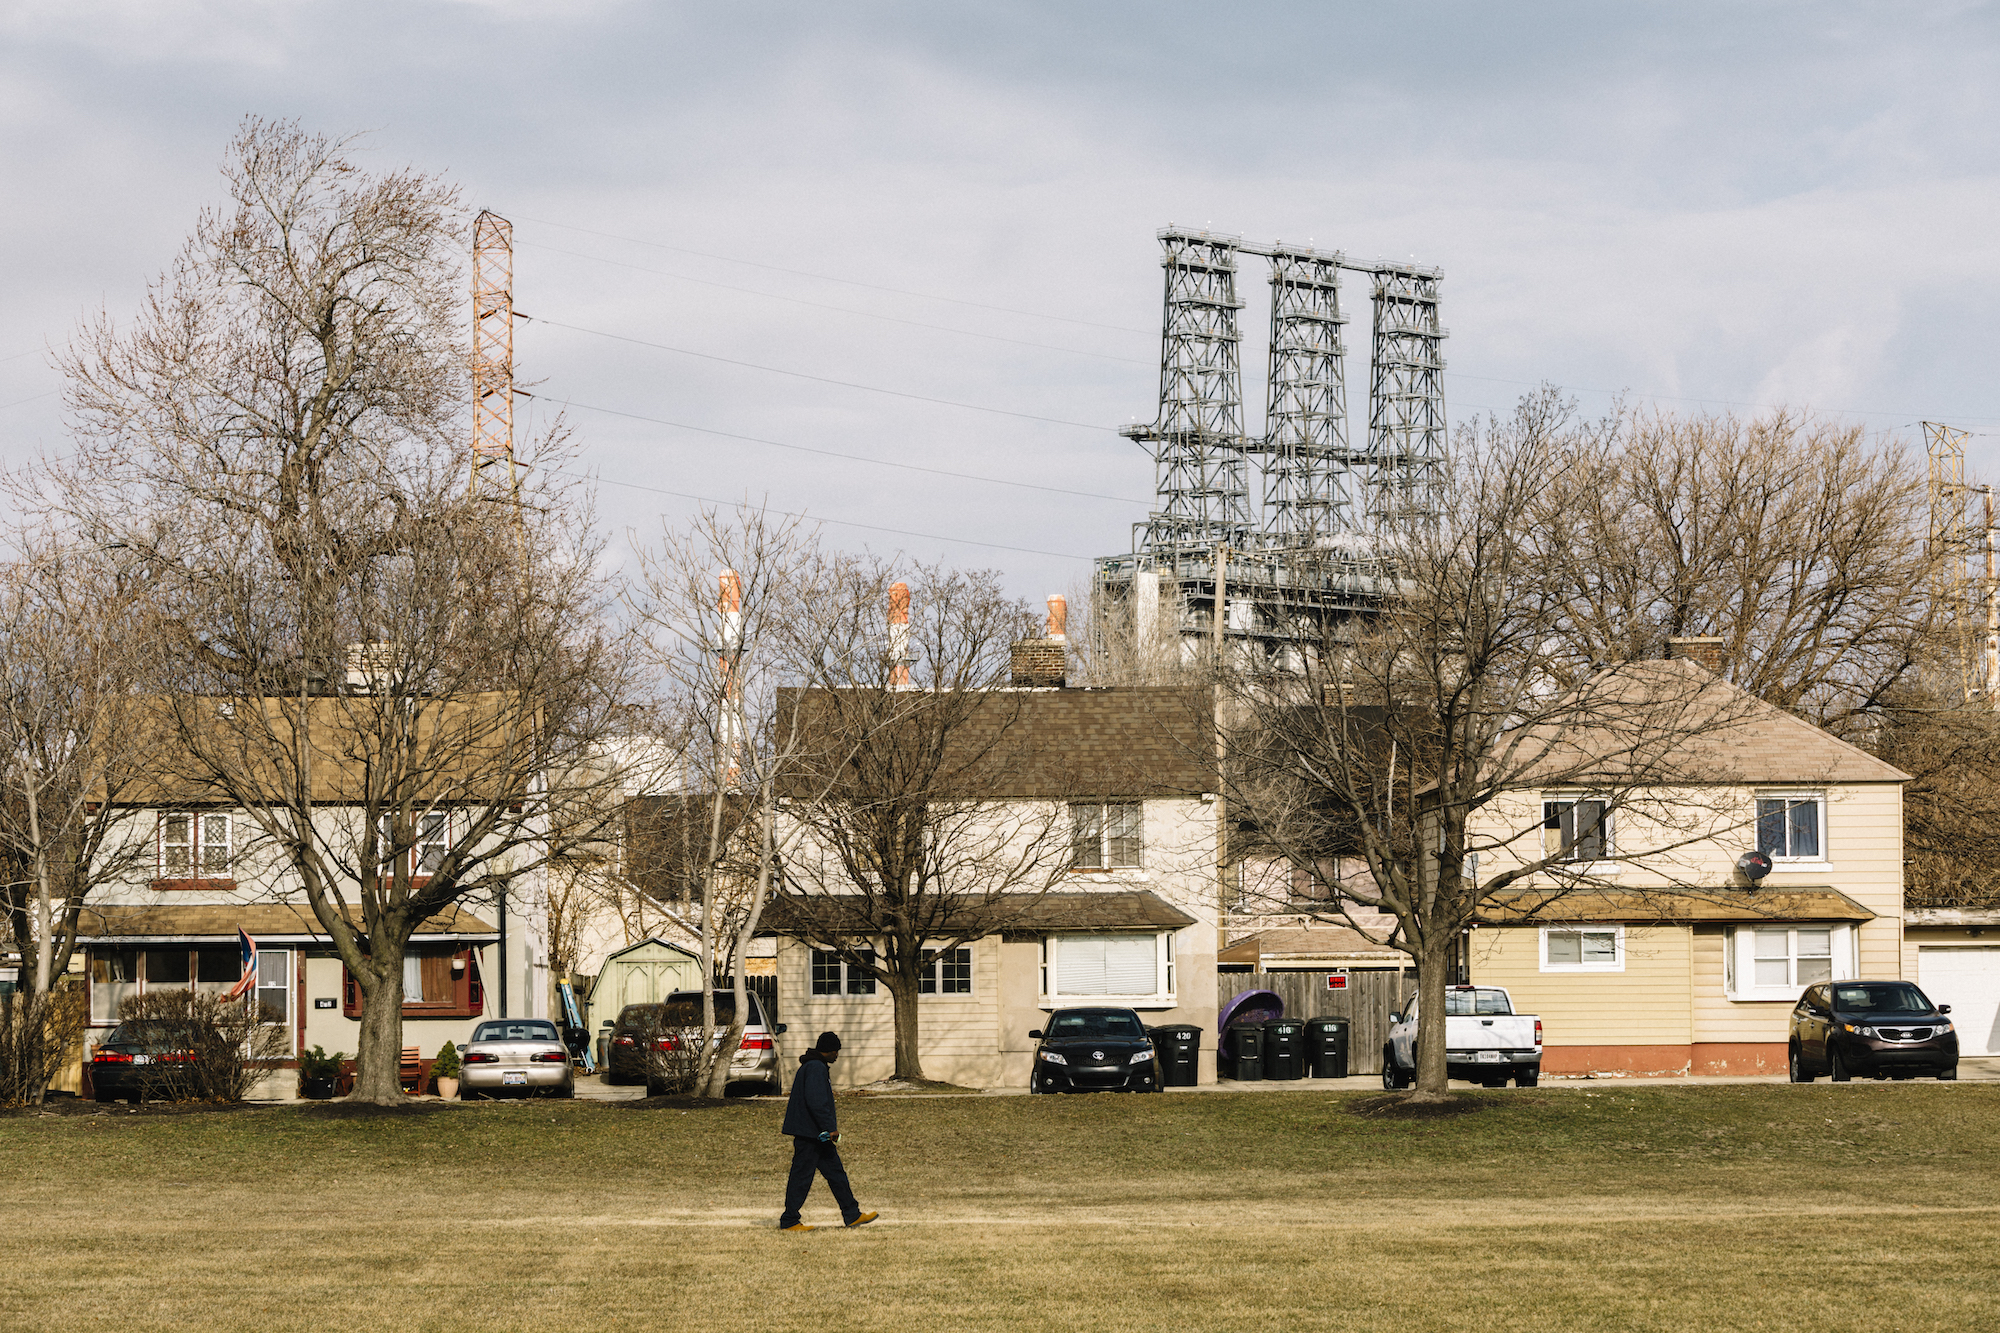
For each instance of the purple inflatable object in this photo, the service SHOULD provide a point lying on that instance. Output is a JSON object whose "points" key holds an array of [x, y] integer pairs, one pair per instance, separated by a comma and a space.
{"points": [[1250, 1006]]}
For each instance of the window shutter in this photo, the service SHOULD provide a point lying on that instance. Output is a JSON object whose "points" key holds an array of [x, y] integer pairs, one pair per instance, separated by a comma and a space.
{"points": [[437, 979]]}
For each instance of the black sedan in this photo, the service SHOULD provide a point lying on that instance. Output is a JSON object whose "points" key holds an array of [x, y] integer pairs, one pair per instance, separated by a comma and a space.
{"points": [[1879, 1029], [136, 1061], [1094, 1050]]}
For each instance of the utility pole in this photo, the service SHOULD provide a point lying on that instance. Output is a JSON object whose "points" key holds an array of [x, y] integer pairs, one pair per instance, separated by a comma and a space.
{"points": [[1992, 594]]}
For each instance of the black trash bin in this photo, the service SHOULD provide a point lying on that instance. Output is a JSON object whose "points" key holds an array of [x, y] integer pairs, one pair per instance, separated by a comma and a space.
{"points": [[1284, 1049], [1326, 1047], [1179, 1048], [1246, 1043]]}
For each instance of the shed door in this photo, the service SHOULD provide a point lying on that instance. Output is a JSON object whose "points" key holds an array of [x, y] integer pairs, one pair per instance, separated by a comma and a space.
{"points": [[1969, 981]]}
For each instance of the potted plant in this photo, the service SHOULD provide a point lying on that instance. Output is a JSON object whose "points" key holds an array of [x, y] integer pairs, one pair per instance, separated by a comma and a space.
{"points": [[319, 1074], [445, 1069]]}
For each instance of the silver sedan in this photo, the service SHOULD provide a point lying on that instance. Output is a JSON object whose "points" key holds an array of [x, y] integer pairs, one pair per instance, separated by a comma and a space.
{"points": [[518, 1056]]}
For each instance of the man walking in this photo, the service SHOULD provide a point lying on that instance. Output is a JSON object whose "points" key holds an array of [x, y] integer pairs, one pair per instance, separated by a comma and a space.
{"points": [[809, 1119]]}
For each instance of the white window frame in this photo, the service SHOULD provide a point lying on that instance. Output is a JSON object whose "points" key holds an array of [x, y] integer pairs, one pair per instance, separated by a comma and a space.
{"points": [[1104, 865], [1617, 934], [1818, 798], [415, 851], [202, 827], [934, 979], [288, 987], [850, 976], [1740, 958], [1607, 833], [1165, 972]]}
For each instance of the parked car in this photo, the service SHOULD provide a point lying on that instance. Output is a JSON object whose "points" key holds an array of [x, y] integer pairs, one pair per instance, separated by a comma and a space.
{"points": [[135, 1061], [516, 1056], [1094, 1050], [644, 1028], [1485, 1041], [1883, 1029]]}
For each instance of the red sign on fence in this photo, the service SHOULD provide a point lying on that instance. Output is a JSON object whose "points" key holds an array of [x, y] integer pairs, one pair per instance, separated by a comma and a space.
{"points": [[1338, 981]]}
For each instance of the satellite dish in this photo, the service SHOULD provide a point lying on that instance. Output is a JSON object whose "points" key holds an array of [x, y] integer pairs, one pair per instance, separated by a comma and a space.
{"points": [[1753, 866]]}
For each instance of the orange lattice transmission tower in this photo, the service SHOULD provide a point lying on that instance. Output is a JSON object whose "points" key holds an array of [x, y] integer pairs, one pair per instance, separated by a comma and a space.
{"points": [[493, 358], [1951, 542]]}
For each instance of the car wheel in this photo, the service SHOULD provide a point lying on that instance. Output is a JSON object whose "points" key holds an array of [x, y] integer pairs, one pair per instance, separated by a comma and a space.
{"points": [[1795, 1067], [106, 1097], [1527, 1078], [1392, 1077], [1948, 1075], [1836, 1068], [655, 1089]]}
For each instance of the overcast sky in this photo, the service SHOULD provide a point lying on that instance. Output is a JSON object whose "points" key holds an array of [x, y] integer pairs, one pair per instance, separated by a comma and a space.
{"points": [[1726, 206]]}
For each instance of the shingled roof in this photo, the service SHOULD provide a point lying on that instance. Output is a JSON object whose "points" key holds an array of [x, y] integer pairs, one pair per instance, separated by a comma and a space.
{"points": [[1010, 913], [272, 922], [1802, 904]]}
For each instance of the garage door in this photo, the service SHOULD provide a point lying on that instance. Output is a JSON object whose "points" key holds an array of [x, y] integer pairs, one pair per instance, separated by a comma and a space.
{"points": [[1969, 981]]}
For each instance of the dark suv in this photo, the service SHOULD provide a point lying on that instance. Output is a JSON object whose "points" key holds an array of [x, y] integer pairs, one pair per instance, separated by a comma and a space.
{"points": [[1883, 1029], [1094, 1050], [642, 1026]]}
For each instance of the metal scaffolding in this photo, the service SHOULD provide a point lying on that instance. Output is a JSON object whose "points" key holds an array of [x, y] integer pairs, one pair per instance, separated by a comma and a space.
{"points": [[493, 356], [1207, 569]]}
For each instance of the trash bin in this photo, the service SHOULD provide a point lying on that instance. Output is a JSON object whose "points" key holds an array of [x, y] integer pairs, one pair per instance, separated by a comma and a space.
{"points": [[1326, 1047], [1246, 1043], [1179, 1047], [1284, 1049]]}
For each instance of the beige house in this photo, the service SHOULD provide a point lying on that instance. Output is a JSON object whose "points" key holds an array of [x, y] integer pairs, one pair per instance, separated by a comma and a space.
{"points": [[1653, 950], [1132, 919]]}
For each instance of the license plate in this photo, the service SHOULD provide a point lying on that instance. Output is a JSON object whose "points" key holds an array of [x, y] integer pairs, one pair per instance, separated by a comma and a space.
{"points": [[1489, 1057], [515, 1077]]}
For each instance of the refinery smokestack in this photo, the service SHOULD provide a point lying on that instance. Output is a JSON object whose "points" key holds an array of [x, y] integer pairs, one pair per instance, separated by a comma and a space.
{"points": [[1058, 617], [899, 635]]}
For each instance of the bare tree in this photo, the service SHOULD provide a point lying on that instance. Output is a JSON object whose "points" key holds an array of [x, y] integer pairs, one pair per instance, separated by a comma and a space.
{"points": [[1799, 542], [397, 679], [70, 730], [909, 844], [1418, 739]]}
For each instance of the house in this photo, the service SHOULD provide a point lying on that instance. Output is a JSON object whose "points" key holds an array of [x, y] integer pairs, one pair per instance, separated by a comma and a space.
{"points": [[1126, 779], [1953, 953], [204, 870], [1651, 950]]}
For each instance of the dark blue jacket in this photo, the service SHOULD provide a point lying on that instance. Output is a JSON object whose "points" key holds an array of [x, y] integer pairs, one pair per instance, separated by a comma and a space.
{"points": [[810, 1111]]}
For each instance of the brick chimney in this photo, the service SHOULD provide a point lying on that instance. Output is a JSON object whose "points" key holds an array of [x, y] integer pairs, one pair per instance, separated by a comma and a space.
{"points": [[1044, 663], [1702, 649]]}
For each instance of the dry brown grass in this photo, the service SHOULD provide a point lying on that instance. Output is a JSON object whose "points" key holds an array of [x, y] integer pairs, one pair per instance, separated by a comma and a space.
{"points": [[1750, 1206]]}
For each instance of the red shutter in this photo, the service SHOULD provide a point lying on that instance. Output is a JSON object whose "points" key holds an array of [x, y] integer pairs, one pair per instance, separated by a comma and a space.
{"points": [[350, 994]]}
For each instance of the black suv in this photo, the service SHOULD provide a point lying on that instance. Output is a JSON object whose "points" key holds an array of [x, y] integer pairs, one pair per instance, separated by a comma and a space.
{"points": [[1883, 1029], [1094, 1050]]}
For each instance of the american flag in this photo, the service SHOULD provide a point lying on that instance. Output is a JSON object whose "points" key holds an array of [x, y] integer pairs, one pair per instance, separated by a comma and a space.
{"points": [[248, 948]]}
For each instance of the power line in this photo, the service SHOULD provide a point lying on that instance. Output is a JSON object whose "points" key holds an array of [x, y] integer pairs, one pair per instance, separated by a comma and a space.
{"points": [[1721, 402], [832, 453], [837, 522], [845, 310], [827, 277], [29, 399], [818, 379]]}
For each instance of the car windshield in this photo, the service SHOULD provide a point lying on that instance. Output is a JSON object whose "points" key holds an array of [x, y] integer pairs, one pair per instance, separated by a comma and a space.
{"points": [[1481, 1001], [518, 1029], [683, 1010], [1883, 997], [1087, 1026], [144, 1037]]}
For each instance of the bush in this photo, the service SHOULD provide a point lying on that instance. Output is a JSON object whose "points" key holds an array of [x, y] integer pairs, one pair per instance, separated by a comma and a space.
{"points": [[672, 1061], [316, 1063], [36, 1040], [218, 1048], [446, 1065]]}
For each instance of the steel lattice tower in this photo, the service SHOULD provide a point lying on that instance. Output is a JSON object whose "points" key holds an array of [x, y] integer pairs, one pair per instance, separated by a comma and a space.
{"points": [[1308, 486], [1406, 423], [493, 356], [1201, 475]]}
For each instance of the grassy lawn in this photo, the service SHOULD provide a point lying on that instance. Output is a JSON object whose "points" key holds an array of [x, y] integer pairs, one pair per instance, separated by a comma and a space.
{"points": [[1742, 1207]]}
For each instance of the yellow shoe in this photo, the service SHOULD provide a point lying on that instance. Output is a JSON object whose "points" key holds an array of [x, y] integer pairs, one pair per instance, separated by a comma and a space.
{"points": [[801, 1226], [864, 1219]]}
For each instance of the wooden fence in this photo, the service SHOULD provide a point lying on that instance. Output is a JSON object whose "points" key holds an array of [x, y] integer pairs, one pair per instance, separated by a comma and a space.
{"points": [[1368, 999]]}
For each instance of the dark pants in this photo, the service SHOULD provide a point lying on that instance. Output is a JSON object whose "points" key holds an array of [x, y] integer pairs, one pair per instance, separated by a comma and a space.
{"points": [[808, 1156]]}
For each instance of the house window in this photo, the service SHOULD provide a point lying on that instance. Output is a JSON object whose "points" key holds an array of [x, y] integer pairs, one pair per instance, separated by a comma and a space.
{"points": [[835, 975], [1105, 837], [208, 969], [947, 972], [1583, 948], [195, 846], [1778, 961], [1791, 828], [1127, 965], [1575, 830], [426, 851], [438, 982], [274, 991]]}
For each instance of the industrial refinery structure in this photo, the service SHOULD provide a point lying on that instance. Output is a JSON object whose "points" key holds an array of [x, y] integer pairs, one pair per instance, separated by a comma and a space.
{"points": [[1262, 541]]}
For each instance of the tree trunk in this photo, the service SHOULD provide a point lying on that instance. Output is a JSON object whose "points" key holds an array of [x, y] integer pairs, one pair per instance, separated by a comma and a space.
{"points": [[903, 993], [1433, 975], [378, 1062]]}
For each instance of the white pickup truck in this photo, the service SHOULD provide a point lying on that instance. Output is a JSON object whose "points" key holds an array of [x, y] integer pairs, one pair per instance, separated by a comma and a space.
{"points": [[1485, 1041]]}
